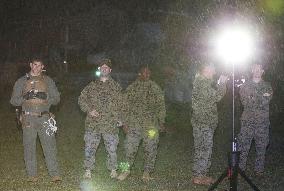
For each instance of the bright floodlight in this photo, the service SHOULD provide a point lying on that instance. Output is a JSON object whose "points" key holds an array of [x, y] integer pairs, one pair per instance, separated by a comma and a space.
{"points": [[234, 45]]}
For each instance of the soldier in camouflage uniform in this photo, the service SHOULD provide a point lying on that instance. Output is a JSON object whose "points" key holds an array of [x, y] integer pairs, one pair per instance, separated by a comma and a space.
{"points": [[102, 101], [204, 120], [145, 117], [255, 96], [35, 93]]}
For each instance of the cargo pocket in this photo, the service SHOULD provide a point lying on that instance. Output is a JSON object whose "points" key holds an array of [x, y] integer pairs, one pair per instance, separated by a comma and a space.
{"points": [[25, 119]]}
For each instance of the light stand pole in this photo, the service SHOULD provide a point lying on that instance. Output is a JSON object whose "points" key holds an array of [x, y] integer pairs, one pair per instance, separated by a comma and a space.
{"points": [[233, 169], [228, 51]]}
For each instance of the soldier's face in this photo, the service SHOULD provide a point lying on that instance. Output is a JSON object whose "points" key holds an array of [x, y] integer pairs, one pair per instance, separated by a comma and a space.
{"points": [[105, 70], [209, 71], [36, 68], [257, 71], [145, 74]]}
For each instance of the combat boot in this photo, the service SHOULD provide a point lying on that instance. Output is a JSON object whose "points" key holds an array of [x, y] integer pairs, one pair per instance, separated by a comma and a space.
{"points": [[123, 175], [203, 180], [32, 179], [146, 176], [113, 174], [88, 174], [56, 179], [259, 173]]}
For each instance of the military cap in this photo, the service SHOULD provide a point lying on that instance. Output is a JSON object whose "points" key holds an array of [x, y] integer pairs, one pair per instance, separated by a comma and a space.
{"points": [[105, 61], [201, 66]]}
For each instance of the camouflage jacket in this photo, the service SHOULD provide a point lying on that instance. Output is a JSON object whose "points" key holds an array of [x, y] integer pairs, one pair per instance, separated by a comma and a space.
{"points": [[146, 105], [106, 98], [53, 96], [252, 98], [205, 98]]}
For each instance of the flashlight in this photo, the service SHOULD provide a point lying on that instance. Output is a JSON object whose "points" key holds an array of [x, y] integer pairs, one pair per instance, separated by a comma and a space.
{"points": [[98, 72]]}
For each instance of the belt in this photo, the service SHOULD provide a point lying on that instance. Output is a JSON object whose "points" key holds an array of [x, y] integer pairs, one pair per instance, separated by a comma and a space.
{"points": [[38, 114]]}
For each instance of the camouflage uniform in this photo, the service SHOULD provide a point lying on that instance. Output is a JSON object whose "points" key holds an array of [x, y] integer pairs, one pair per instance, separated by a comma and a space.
{"points": [[254, 122], [204, 121], [35, 113], [106, 99], [145, 113]]}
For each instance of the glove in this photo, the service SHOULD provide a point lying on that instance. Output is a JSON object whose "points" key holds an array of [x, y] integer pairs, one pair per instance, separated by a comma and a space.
{"points": [[29, 95]]}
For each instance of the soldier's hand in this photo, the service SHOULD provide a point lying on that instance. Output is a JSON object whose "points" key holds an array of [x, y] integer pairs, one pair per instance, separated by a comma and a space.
{"points": [[223, 79], [26, 96], [162, 128], [266, 94], [119, 124], [94, 113], [125, 129], [30, 95]]}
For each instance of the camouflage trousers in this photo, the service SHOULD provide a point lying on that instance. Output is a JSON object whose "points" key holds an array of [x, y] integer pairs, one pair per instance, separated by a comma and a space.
{"points": [[92, 141], [259, 132], [150, 144], [33, 127], [203, 144]]}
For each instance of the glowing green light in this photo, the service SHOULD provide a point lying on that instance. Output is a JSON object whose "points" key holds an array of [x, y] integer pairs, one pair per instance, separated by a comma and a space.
{"points": [[124, 166], [98, 73], [152, 133]]}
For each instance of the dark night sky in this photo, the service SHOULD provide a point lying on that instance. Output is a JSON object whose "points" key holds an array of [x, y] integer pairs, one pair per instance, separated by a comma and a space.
{"points": [[28, 25], [23, 9], [19, 18]]}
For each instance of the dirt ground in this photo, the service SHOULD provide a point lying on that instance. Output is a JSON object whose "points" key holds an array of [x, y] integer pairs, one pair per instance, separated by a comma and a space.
{"points": [[173, 167]]}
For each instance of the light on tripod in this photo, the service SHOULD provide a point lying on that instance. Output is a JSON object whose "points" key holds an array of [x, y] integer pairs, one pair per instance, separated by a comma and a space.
{"points": [[234, 45]]}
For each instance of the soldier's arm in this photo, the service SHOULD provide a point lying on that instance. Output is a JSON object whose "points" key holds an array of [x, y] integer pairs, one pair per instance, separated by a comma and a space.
{"points": [[17, 97], [128, 94], [83, 99], [161, 109], [195, 91], [245, 94], [160, 104], [130, 88], [268, 92], [119, 98], [53, 97], [124, 107], [221, 91]]}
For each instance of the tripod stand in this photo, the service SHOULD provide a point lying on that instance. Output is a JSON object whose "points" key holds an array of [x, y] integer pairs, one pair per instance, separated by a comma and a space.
{"points": [[233, 169]]}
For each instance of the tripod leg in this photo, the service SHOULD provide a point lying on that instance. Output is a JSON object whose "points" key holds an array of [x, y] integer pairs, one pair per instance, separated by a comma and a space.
{"points": [[220, 179], [247, 180], [234, 180]]}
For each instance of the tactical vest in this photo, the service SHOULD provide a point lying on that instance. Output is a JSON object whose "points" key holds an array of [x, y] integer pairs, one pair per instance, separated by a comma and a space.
{"points": [[35, 83]]}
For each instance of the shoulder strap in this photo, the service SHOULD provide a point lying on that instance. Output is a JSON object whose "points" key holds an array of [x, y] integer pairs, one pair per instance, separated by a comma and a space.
{"points": [[28, 77]]}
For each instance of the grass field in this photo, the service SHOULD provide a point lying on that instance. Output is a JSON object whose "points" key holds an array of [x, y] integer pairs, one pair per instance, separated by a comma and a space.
{"points": [[173, 167]]}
